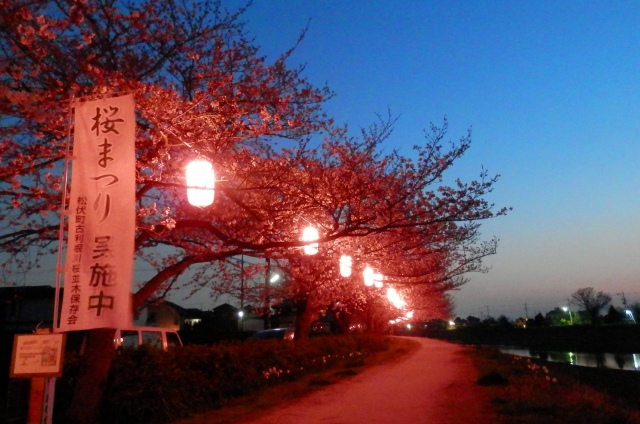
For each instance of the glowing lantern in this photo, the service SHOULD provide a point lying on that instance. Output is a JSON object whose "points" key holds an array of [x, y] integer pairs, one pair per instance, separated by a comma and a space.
{"points": [[395, 299], [345, 265], [200, 182], [392, 294], [377, 280], [368, 276], [310, 234]]}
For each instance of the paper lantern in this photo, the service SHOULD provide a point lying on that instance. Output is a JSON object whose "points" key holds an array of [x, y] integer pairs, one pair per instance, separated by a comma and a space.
{"points": [[310, 234], [200, 183], [345, 265], [368, 276], [395, 299], [377, 280]]}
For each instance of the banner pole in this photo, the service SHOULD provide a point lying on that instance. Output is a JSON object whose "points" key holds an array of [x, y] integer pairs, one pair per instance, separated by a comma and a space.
{"points": [[50, 383], [63, 217]]}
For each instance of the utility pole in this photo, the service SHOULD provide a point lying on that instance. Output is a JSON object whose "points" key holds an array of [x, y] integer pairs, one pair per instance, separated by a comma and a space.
{"points": [[526, 311], [267, 295], [624, 299], [241, 282], [241, 313]]}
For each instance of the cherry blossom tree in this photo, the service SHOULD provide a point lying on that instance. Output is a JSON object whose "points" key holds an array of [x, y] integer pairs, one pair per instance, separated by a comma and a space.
{"points": [[383, 211], [209, 97], [202, 90]]}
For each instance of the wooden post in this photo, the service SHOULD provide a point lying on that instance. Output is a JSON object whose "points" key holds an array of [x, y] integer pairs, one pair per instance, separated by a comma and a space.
{"points": [[36, 399]]}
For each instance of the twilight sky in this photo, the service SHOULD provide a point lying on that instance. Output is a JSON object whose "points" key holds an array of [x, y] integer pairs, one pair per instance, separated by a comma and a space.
{"points": [[552, 92]]}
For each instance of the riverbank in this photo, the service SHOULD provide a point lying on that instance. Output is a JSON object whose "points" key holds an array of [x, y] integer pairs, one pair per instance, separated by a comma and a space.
{"points": [[526, 391], [574, 338]]}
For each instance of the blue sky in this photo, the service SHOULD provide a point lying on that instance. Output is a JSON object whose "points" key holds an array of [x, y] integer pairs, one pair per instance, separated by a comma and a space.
{"points": [[552, 92]]}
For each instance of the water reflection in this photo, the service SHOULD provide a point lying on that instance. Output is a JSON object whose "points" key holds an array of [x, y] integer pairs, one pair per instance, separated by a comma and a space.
{"points": [[623, 361]]}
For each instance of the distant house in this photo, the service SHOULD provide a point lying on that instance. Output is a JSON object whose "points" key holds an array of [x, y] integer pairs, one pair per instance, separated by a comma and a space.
{"points": [[225, 318], [23, 309], [191, 318], [284, 315], [159, 314]]}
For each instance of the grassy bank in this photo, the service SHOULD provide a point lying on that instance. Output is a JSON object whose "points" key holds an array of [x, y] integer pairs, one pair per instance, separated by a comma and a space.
{"points": [[525, 391]]}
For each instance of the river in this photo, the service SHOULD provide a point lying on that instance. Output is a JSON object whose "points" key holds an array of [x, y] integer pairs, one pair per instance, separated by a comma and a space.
{"points": [[623, 361]]}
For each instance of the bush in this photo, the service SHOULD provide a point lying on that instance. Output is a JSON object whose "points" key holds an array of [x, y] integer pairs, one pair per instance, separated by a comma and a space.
{"points": [[148, 385]]}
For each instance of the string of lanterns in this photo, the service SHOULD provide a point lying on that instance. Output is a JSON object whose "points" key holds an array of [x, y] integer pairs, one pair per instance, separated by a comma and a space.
{"points": [[200, 192]]}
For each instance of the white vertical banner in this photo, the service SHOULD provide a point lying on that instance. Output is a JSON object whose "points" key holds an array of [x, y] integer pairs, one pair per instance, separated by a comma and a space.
{"points": [[101, 225]]}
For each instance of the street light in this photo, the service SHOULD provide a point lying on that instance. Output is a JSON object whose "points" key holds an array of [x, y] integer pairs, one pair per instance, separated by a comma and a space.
{"points": [[200, 183], [630, 315], [240, 316], [570, 316], [268, 279]]}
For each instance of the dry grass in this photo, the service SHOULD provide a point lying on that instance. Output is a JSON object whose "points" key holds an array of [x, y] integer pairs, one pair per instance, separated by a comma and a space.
{"points": [[526, 392]]}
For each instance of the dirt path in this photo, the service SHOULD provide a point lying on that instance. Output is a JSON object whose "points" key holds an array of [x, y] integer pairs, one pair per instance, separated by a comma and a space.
{"points": [[435, 384]]}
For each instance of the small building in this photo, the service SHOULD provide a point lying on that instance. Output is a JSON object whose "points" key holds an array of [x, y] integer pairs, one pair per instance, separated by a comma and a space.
{"points": [[159, 314]]}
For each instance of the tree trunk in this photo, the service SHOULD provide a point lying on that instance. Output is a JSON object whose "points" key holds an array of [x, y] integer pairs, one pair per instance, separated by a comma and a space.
{"points": [[380, 324], [369, 319], [303, 319], [342, 322], [87, 397]]}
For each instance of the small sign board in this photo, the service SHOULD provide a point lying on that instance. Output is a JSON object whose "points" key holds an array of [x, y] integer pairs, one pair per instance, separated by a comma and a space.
{"points": [[37, 355]]}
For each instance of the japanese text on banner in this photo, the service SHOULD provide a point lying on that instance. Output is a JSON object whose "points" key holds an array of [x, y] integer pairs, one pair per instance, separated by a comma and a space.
{"points": [[99, 260]]}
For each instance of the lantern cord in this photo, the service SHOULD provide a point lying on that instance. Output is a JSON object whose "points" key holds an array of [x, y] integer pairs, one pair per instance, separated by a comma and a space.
{"points": [[107, 94], [305, 219]]}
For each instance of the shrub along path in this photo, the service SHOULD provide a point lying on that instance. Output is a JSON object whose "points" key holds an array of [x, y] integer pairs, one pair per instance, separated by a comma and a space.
{"points": [[435, 384]]}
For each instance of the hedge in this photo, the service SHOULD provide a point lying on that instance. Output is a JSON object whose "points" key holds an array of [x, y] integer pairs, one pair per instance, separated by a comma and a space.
{"points": [[147, 385]]}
